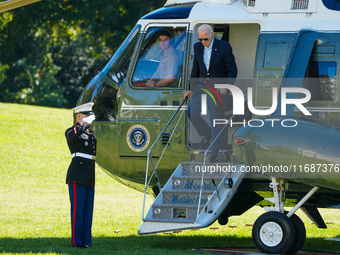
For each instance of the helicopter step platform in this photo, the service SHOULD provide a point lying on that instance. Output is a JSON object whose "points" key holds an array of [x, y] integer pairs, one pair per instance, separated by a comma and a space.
{"points": [[175, 213], [192, 185]]}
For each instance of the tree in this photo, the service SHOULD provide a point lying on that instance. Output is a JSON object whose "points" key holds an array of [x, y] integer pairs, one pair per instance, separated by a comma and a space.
{"points": [[50, 50]]}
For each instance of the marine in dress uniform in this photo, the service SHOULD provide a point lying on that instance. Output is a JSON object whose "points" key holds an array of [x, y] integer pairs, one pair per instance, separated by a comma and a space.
{"points": [[81, 175]]}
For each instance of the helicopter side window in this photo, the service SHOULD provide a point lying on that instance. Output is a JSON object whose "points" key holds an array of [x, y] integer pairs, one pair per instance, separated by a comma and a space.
{"points": [[320, 80], [117, 67], [160, 62]]}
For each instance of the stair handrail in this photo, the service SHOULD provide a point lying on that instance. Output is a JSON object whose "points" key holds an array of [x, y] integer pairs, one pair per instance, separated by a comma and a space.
{"points": [[149, 156], [204, 162]]}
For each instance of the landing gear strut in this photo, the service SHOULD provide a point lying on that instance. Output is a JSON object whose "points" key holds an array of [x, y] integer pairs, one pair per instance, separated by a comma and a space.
{"points": [[278, 231]]}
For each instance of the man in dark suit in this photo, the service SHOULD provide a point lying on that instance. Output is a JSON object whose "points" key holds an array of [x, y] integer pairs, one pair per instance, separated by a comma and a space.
{"points": [[81, 175], [213, 63]]}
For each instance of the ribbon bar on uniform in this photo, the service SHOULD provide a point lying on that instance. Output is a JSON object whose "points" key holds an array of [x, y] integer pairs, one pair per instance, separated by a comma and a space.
{"points": [[83, 155]]}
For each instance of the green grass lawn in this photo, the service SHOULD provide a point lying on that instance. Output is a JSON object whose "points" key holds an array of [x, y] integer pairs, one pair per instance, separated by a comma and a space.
{"points": [[35, 210]]}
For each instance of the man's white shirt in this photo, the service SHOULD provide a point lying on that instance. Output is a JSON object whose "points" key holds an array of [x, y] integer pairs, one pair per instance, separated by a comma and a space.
{"points": [[207, 55]]}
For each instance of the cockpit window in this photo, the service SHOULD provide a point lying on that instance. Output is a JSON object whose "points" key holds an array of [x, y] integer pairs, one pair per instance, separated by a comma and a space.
{"points": [[117, 68], [320, 80], [160, 62]]}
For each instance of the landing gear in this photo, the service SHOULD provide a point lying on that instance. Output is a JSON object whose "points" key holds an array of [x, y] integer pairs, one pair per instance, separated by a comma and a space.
{"points": [[300, 234], [278, 231], [273, 232]]}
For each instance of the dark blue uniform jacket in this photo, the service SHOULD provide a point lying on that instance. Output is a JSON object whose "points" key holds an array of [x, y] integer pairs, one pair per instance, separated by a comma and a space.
{"points": [[81, 139]]}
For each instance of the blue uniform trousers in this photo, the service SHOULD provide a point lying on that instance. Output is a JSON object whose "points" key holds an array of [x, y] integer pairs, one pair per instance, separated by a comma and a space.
{"points": [[82, 202]]}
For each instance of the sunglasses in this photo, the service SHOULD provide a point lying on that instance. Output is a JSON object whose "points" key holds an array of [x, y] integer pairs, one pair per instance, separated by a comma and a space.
{"points": [[201, 39]]}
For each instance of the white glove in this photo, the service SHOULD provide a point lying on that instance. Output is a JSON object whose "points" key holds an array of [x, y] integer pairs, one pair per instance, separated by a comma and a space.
{"points": [[88, 119]]}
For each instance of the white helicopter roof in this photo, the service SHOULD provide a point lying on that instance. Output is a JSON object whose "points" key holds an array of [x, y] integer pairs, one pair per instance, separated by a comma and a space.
{"points": [[173, 2], [271, 15], [261, 6]]}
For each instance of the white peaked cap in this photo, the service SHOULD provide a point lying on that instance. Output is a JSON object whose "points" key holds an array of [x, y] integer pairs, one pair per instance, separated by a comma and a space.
{"points": [[84, 108]]}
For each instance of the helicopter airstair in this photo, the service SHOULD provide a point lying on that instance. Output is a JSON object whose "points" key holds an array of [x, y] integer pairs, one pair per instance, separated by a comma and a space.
{"points": [[193, 197]]}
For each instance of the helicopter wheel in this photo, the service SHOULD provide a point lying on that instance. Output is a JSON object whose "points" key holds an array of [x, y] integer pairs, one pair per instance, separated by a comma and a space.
{"points": [[300, 232], [274, 232]]}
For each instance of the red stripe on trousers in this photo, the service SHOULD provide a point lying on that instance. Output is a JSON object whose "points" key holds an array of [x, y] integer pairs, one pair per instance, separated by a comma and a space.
{"points": [[74, 212]]}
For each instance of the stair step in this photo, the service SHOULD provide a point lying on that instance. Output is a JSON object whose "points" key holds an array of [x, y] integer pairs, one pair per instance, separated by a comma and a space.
{"points": [[187, 197], [175, 212], [196, 150], [212, 169], [177, 206], [169, 220], [194, 183]]}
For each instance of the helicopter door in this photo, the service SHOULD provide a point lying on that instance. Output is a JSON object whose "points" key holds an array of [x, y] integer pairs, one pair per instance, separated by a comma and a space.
{"points": [[243, 39], [155, 90], [322, 82]]}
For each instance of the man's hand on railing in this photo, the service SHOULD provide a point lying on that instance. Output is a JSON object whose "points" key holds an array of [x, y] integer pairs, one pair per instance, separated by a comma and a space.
{"points": [[187, 94]]}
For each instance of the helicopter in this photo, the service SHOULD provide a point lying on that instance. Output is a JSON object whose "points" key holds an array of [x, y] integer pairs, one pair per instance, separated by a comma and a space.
{"points": [[279, 139]]}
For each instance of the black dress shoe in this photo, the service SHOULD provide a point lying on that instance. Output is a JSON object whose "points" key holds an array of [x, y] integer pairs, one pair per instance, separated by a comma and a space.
{"points": [[86, 246], [78, 246], [205, 141], [214, 159]]}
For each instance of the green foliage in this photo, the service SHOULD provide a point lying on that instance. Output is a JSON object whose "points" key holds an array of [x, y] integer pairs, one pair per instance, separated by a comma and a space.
{"points": [[3, 69], [39, 84], [50, 50], [4, 19]]}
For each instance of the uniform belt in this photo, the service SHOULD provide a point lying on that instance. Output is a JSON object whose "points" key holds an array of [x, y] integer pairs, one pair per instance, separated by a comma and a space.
{"points": [[83, 155]]}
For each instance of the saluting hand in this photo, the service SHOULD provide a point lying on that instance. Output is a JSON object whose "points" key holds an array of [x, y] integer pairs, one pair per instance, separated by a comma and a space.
{"points": [[88, 119]]}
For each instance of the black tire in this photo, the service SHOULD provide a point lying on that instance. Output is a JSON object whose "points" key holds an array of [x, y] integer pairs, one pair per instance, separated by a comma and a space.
{"points": [[280, 240], [223, 220], [300, 234]]}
